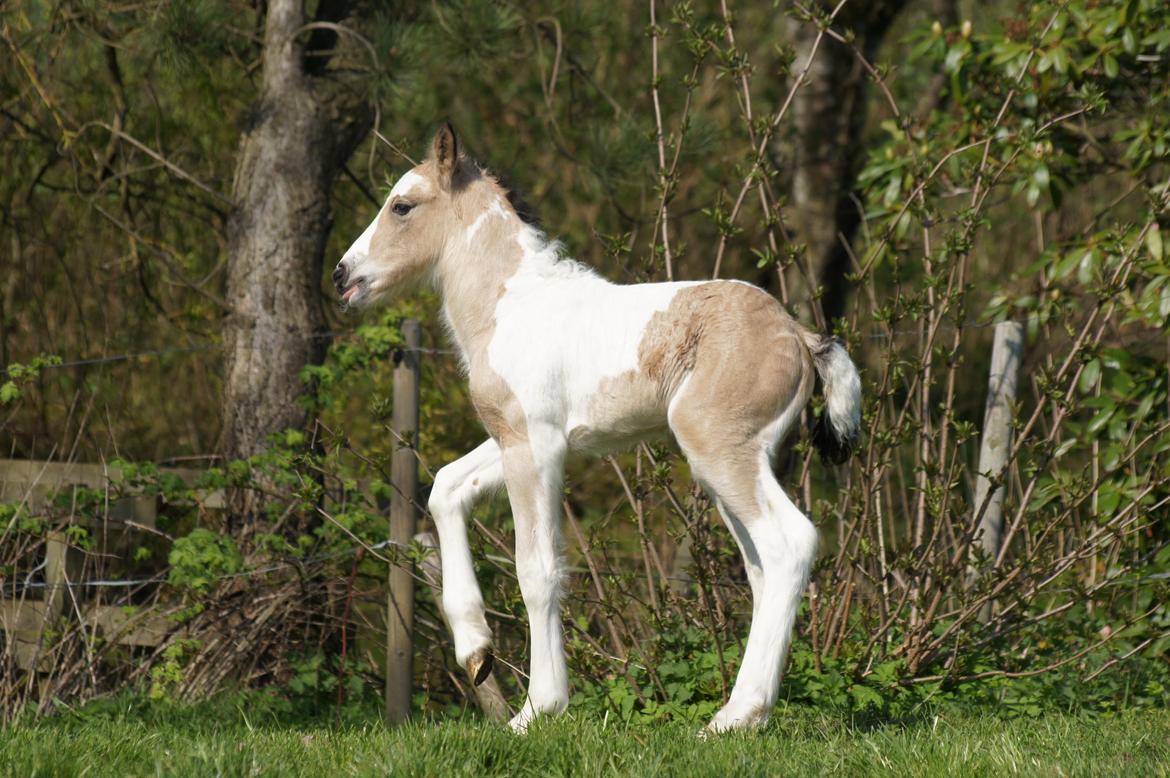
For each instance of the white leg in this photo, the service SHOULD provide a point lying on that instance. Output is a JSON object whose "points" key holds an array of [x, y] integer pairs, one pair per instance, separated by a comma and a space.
{"points": [[786, 542], [747, 549], [534, 472], [456, 488]]}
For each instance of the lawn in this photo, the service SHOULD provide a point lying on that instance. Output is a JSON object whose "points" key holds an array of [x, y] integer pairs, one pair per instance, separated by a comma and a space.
{"points": [[126, 739]]}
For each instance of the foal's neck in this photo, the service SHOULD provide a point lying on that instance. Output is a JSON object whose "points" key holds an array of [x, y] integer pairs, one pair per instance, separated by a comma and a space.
{"points": [[473, 273]]}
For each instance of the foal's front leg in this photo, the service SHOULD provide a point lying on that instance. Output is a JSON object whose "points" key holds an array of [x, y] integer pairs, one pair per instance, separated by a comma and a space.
{"points": [[533, 472], [456, 489]]}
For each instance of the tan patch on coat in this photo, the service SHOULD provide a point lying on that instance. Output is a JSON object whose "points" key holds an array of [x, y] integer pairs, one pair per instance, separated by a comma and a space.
{"points": [[498, 408], [746, 358]]}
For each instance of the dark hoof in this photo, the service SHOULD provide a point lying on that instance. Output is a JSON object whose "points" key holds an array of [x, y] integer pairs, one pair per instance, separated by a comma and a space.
{"points": [[479, 666]]}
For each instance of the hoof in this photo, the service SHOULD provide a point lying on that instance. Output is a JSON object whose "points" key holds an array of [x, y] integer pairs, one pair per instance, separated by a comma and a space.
{"points": [[519, 723], [479, 665], [730, 720]]}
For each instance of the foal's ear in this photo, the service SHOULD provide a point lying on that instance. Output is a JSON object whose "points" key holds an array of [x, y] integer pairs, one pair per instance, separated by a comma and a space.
{"points": [[445, 152]]}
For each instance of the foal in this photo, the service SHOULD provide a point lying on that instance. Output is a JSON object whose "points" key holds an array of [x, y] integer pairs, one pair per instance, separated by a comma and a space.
{"points": [[561, 360]]}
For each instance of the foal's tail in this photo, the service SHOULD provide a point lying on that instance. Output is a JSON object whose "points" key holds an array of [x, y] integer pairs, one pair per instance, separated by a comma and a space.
{"points": [[839, 424]]}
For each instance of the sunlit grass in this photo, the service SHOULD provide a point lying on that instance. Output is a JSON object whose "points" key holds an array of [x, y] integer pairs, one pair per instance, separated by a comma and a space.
{"points": [[226, 739]]}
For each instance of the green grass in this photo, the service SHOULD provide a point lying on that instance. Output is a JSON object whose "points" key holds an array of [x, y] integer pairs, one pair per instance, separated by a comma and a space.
{"points": [[131, 738]]}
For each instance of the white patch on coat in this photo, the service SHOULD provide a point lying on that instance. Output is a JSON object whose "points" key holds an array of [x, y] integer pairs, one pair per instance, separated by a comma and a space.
{"points": [[496, 210], [562, 330]]}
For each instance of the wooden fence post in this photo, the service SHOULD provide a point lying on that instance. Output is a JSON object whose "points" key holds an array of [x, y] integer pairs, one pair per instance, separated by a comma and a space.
{"points": [[997, 438], [403, 514]]}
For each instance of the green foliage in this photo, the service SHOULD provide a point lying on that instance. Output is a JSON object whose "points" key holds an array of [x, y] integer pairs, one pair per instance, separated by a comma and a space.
{"points": [[165, 676], [185, 35], [201, 558], [887, 691], [20, 375], [687, 682], [319, 684]]}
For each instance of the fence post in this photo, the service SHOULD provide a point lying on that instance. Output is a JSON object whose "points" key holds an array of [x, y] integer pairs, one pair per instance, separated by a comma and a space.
{"points": [[403, 513], [996, 441]]}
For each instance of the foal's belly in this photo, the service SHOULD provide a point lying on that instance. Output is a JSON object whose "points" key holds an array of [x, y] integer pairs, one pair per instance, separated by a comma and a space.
{"points": [[624, 410]]}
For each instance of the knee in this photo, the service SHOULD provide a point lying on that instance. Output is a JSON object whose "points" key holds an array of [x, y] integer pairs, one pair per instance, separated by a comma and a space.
{"points": [[443, 499]]}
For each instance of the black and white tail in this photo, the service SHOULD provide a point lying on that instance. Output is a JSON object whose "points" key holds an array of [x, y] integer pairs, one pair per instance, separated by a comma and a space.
{"points": [[840, 423]]}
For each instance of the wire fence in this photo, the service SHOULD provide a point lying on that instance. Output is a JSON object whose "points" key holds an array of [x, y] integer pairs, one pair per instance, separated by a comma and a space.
{"points": [[204, 347], [215, 346], [1146, 337], [313, 559]]}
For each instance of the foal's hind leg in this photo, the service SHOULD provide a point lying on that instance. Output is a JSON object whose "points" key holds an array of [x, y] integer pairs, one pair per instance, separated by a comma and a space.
{"points": [[747, 549], [727, 443], [457, 487], [778, 541]]}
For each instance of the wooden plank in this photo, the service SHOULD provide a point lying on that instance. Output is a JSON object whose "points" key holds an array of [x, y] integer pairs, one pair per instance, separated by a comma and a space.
{"points": [[36, 484], [403, 515], [21, 616], [23, 620], [139, 628], [55, 474], [41, 480]]}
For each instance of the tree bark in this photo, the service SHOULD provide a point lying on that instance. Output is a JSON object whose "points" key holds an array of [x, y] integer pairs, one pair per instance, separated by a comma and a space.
{"points": [[829, 114], [303, 129]]}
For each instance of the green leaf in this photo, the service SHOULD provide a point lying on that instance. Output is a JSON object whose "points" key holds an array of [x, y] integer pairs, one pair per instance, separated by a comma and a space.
{"points": [[1041, 176], [864, 697], [1112, 68], [1154, 242], [956, 55], [1032, 195], [1089, 376], [1087, 267], [1098, 422]]}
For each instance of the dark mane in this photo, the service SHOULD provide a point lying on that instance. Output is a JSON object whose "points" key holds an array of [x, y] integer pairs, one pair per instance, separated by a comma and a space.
{"points": [[520, 205], [474, 171]]}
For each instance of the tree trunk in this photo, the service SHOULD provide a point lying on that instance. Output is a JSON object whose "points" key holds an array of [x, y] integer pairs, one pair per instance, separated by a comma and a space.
{"points": [[303, 129], [829, 113]]}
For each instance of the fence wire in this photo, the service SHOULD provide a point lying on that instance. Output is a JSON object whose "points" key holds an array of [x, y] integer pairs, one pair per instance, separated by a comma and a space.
{"points": [[447, 352]]}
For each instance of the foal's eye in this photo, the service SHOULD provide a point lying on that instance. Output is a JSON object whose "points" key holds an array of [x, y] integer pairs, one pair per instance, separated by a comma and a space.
{"points": [[401, 209]]}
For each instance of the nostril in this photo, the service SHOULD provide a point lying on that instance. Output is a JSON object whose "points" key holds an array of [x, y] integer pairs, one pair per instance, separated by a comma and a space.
{"points": [[339, 276]]}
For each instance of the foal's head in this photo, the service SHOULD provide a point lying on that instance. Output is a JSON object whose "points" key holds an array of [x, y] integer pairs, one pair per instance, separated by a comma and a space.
{"points": [[409, 234]]}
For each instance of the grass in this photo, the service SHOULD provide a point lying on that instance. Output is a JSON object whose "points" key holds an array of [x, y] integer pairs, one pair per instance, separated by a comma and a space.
{"points": [[129, 737]]}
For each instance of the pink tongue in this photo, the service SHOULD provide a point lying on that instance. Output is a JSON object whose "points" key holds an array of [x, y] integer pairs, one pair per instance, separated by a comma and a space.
{"points": [[349, 294]]}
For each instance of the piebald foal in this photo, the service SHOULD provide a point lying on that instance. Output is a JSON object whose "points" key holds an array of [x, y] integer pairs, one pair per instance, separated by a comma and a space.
{"points": [[561, 360]]}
